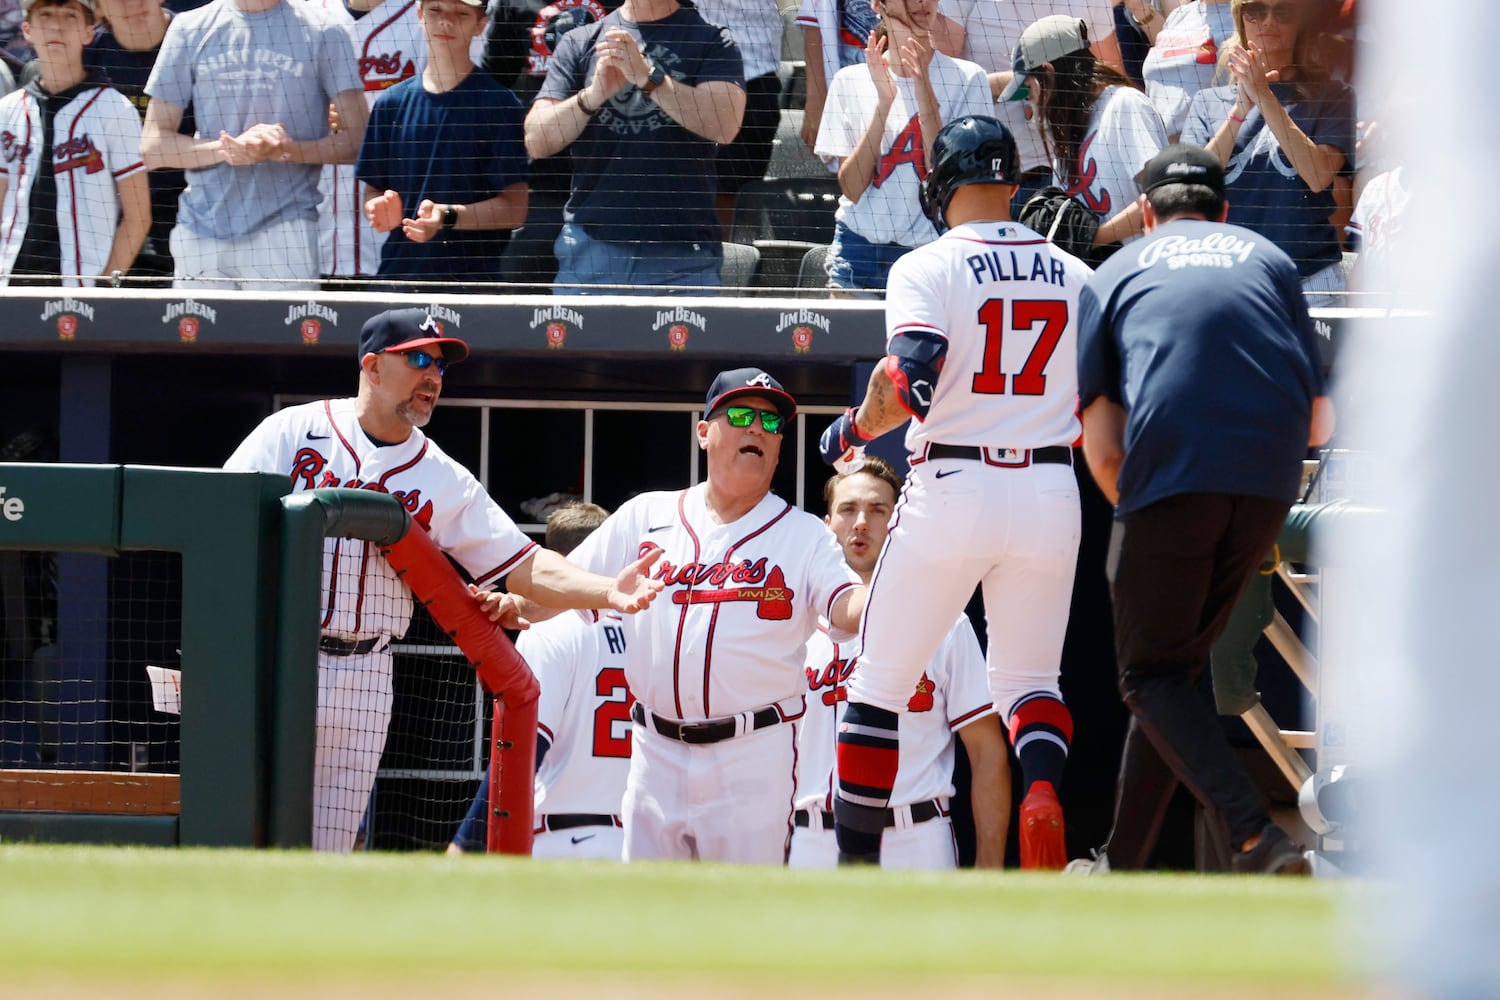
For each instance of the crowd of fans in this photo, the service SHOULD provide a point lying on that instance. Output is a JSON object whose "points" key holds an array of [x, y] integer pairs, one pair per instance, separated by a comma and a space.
{"points": [[586, 143]]}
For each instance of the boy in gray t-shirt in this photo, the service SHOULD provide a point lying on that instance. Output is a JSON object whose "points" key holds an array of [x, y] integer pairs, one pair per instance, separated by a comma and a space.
{"points": [[259, 75]]}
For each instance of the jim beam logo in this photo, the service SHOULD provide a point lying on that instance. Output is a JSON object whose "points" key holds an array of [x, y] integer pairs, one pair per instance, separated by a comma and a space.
{"points": [[556, 320], [678, 323], [67, 312], [189, 316], [310, 317], [439, 315], [802, 323]]}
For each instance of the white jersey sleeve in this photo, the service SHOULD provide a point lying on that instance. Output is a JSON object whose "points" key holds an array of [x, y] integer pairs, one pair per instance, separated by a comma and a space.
{"points": [[583, 713], [1006, 301]]}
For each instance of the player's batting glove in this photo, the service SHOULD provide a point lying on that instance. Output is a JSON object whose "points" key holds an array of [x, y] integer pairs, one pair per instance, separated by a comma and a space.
{"points": [[841, 439]]}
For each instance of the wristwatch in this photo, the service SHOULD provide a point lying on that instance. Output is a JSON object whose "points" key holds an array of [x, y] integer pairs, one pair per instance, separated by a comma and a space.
{"points": [[656, 79], [450, 216]]}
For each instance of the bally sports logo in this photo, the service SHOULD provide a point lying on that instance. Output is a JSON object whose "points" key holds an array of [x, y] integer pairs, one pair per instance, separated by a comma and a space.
{"points": [[67, 311], [310, 317], [678, 323], [802, 322], [556, 320], [189, 314]]}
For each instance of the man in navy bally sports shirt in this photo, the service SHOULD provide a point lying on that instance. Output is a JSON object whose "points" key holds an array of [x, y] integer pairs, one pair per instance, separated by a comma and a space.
{"points": [[1201, 390]]}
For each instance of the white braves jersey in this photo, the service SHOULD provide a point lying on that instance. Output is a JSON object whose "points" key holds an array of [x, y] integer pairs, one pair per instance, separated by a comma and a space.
{"points": [[726, 634], [1185, 59], [1377, 221], [889, 211], [991, 30], [96, 142], [1006, 301], [1124, 133], [953, 692], [389, 46], [583, 712], [321, 444]]}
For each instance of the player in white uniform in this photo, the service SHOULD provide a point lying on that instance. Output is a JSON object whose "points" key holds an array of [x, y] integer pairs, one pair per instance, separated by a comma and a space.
{"points": [[991, 497], [374, 442], [953, 696], [716, 666], [102, 207], [583, 724], [390, 47]]}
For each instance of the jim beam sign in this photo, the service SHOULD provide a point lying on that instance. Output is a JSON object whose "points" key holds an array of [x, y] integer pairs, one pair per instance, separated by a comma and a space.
{"points": [[556, 320], [678, 322], [309, 318], [189, 315], [801, 323], [67, 312]]}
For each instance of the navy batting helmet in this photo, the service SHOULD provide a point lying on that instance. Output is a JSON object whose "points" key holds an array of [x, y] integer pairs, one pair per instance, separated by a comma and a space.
{"points": [[974, 149]]}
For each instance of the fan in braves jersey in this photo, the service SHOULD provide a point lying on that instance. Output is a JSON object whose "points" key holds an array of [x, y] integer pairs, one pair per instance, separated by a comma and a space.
{"points": [[716, 666], [374, 442], [953, 696], [981, 348], [583, 724]]}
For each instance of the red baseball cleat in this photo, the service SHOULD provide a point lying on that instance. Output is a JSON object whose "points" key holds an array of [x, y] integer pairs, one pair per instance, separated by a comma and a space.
{"points": [[1042, 845]]}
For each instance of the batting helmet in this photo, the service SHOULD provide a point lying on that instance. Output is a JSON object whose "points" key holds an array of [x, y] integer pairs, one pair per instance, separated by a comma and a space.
{"points": [[974, 149]]}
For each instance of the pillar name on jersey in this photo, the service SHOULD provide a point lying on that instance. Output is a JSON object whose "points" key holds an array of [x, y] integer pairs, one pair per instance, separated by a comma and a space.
{"points": [[55, 307], [310, 472], [996, 265], [311, 310]]}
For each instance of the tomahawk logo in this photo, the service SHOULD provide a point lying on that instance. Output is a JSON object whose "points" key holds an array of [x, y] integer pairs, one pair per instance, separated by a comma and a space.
{"points": [[763, 380], [11, 508]]}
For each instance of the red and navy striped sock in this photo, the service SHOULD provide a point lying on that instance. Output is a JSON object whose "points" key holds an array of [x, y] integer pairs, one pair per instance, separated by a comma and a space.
{"points": [[1041, 730], [868, 755]]}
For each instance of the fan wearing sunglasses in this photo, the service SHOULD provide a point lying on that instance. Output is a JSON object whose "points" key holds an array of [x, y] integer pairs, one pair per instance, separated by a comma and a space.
{"points": [[374, 441], [717, 665], [1284, 130]]}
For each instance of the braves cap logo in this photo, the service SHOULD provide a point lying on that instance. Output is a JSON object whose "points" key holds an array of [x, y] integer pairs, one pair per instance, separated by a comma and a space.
{"points": [[430, 322], [763, 380]]}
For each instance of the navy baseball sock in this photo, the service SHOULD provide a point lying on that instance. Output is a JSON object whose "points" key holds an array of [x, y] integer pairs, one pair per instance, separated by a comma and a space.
{"points": [[868, 755], [1041, 730]]}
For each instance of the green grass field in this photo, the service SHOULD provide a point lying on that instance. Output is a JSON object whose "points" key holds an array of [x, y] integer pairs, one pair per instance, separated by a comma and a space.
{"points": [[144, 922]]}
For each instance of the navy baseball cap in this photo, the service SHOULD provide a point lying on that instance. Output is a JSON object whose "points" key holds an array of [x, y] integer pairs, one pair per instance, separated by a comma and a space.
{"points": [[407, 330], [731, 385], [1183, 163]]}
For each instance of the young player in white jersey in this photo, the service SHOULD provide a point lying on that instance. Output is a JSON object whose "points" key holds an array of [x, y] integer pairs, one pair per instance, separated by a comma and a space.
{"points": [[717, 667], [390, 47], [374, 442], [991, 498], [952, 696], [84, 210], [583, 724]]}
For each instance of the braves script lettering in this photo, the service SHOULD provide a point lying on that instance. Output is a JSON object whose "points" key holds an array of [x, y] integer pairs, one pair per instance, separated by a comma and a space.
{"points": [[310, 464]]}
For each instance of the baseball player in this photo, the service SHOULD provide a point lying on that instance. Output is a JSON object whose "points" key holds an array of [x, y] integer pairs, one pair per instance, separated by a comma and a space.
{"points": [[583, 724], [717, 666], [981, 350], [374, 442], [73, 194], [952, 696]]}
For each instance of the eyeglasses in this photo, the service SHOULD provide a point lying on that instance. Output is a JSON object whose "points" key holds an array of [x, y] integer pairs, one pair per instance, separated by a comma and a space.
{"points": [[744, 416], [1257, 12], [421, 360]]}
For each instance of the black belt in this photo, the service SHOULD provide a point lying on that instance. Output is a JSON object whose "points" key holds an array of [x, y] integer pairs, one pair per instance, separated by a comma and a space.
{"points": [[572, 821], [921, 812], [1057, 454], [349, 647], [715, 731]]}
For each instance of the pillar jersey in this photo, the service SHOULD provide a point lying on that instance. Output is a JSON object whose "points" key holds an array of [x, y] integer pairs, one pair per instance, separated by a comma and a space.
{"points": [[726, 635], [1005, 301], [953, 692], [320, 445]]}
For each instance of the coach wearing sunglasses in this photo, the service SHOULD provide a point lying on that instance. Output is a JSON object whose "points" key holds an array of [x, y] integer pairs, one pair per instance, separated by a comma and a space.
{"points": [[717, 665], [1284, 130], [375, 442]]}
